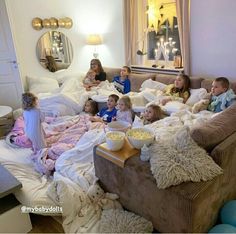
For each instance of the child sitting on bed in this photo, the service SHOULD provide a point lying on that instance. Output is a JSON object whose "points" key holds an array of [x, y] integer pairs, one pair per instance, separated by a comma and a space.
{"points": [[152, 113], [107, 113], [124, 112], [90, 107], [180, 90], [221, 96], [32, 119], [122, 82], [89, 80]]}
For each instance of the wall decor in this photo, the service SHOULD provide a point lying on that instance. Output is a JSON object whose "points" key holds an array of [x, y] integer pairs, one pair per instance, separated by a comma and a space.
{"points": [[53, 23]]}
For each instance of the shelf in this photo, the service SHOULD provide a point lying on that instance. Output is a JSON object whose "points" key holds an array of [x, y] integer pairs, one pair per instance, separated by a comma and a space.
{"points": [[145, 69]]}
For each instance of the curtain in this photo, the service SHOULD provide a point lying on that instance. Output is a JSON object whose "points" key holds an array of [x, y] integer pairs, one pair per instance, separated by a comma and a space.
{"points": [[135, 24], [183, 16]]}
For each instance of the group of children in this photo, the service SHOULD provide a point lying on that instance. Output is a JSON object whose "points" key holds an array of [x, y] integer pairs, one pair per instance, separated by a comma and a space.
{"points": [[121, 108]]}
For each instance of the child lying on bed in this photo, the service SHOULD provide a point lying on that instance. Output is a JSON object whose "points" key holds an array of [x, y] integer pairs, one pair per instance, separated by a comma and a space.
{"points": [[221, 96]]}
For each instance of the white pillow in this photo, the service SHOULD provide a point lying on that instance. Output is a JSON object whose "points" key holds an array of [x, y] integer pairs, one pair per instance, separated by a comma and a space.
{"points": [[62, 78], [196, 95], [41, 84], [174, 106], [152, 85]]}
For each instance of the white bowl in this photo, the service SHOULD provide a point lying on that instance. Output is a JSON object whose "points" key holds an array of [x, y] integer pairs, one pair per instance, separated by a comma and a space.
{"points": [[122, 126], [115, 140], [139, 136]]}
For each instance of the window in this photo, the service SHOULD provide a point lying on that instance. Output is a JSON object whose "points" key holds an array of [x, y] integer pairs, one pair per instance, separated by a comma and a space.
{"points": [[163, 36]]}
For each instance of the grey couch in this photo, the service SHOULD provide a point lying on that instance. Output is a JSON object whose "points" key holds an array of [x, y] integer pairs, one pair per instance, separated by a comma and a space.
{"points": [[188, 207]]}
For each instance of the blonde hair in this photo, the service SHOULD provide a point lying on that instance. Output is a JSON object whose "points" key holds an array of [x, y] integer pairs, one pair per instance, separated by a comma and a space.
{"points": [[29, 101], [127, 102], [158, 114]]}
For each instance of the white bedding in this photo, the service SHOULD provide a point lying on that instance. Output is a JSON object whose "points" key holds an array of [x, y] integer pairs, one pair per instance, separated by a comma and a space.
{"points": [[17, 161]]}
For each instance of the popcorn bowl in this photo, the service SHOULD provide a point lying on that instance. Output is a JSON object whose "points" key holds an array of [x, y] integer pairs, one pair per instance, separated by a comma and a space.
{"points": [[137, 137], [122, 126], [115, 140]]}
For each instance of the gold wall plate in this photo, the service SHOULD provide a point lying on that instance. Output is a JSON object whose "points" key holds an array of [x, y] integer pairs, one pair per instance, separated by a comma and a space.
{"points": [[37, 23], [46, 23]]}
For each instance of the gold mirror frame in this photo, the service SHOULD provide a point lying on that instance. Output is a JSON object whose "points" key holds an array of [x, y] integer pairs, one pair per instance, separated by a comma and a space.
{"points": [[54, 51]]}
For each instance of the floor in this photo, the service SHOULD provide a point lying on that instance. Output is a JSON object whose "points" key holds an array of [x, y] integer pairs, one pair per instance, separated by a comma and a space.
{"points": [[45, 224]]}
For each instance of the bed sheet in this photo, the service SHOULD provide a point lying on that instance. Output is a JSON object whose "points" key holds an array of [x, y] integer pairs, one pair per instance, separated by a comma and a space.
{"points": [[17, 161]]}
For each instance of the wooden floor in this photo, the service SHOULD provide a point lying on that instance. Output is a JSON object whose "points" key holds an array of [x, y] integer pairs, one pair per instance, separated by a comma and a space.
{"points": [[45, 224]]}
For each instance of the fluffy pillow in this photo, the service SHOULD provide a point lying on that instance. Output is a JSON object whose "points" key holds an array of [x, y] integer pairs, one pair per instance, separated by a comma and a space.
{"points": [[121, 221], [41, 85], [62, 78], [151, 84], [180, 159], [196, 95], [174, 106]]}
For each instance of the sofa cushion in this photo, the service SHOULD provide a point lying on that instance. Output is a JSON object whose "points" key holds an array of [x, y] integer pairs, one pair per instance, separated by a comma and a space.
{"points": [[169, 79], [215, 130], [136, 80], [206, 83], [111, 73]]}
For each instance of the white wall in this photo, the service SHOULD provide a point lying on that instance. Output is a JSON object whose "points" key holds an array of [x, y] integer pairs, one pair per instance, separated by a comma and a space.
{"points": [[213, 38], [89, 16]]}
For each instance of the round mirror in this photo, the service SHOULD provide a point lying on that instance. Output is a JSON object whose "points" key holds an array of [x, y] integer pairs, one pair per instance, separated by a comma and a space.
{"points": [[54, 51]]}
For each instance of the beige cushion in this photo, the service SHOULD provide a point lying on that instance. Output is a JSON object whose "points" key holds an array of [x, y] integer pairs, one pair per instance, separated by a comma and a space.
{"points": [[214, 131], [136, 80]]}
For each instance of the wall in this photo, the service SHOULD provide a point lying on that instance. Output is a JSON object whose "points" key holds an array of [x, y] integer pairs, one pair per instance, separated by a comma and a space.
{"points": [[91, 16], [213, 34]]}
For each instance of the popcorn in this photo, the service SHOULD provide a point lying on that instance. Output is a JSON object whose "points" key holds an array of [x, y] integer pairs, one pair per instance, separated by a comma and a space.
{"points": [[139, 134], [115, 136]]}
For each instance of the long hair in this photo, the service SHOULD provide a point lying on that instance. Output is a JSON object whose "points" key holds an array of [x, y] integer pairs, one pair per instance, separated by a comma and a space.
{"points": [[158, 113], [127, 102], [94, 106], [185, 88], [97, 61], [29, 101]]}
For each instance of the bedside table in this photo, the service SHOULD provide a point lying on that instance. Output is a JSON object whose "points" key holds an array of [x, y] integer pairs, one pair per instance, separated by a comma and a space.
{"points": [[6, 120], [11, 217]]}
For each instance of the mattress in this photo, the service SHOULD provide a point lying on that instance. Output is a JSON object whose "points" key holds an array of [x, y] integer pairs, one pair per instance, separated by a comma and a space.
{"points": [[17, 161]]}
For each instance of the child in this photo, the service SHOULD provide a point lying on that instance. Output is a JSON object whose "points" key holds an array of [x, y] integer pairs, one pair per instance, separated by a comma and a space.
{"points": [[91, 107], [221, 96], [122, 82], [89, 80], [125, 112], [107, 113], [180, 90], [33, 119], [152, 113]]}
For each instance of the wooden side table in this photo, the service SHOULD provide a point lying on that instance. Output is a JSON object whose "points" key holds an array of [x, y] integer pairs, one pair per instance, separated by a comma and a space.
{"points": [[6, 120], [12, 220]]}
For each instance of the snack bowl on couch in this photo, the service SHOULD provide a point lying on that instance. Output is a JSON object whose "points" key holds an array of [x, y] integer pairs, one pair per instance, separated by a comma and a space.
{"points": [[139, 136], [115, 140], [122, 126]]}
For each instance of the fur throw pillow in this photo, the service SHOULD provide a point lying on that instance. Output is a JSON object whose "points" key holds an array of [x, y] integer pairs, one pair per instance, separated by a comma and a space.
{"points": [[121, 221], [180, 159]]}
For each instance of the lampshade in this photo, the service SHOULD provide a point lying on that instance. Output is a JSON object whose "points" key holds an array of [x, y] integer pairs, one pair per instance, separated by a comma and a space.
{"points": [[94, 39]]}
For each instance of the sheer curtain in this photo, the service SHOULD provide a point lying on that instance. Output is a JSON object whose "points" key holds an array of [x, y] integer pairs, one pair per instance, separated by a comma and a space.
{"points": [[183, 16], [135, 22]]}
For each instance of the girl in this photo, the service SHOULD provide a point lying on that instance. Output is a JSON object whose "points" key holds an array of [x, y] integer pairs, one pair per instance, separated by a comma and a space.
{"points": [[152, 113], [90, 107], [33, 119], [96, 66], [125, 112], [178, 91], [89, 80]]}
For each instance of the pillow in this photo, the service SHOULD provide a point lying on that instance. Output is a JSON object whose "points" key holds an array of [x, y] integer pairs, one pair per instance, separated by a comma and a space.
{"points": [[180, 159], [196, 95], [62, 78], [41, 85], [174, 106], [152, 85], [121, 221], [215, 130]]}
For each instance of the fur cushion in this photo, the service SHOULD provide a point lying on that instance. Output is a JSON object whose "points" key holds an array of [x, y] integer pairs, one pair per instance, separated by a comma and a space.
{"points": [[180, 159], [120, 221]]}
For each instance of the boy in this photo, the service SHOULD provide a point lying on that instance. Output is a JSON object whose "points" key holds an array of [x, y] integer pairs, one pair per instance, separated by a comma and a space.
{"points": [[122, 82], [107, 113], [222, 97]]}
